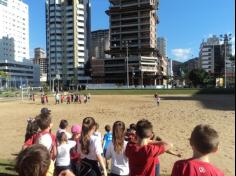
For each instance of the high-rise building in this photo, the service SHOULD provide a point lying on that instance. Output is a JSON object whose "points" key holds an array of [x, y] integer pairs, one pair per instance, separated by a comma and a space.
{"points": [[212, 55], [133, 25], [161, 46], [100, 43], [14, 45], [68, 40], [41, 59], [14, 30]]}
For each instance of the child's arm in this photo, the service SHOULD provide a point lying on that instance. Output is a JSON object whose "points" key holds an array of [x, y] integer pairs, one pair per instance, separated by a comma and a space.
{"points": [[171, 152], [167, 145]]}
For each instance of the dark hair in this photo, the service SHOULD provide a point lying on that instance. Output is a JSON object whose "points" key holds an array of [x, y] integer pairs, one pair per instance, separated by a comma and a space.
{"points": [[32, 128], [87, 126], [62, 137], [33, 161], [144, 129], [132, 126], [63, 124], [44, 121], [108, 128], [205, 139], [118, 136]]}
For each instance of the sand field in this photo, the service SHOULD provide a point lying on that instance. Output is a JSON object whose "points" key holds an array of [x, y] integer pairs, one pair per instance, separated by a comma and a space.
{"points": [[173, 121]]}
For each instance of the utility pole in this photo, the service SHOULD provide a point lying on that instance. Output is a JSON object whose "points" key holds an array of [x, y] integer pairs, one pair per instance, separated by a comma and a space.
{"points": [[127, 60]]}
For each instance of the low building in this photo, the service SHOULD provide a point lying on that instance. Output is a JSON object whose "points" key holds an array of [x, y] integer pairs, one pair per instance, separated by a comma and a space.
{"points": [[20, 74]]}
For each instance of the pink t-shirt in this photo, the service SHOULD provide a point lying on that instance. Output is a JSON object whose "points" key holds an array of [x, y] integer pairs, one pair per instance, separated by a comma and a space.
{"points": [[193, 167]]}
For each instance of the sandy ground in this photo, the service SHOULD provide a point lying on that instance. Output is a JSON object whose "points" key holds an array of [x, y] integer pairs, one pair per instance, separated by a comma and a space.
{"points": [[173, 121]]}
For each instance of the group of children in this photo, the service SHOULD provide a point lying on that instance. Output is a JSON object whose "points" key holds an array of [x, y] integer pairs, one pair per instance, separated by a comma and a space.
{"points": [[72, 98], [133, 151]]}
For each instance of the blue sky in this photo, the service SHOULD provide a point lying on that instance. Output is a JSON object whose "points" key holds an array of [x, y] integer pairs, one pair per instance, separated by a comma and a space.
{"points": [[184, 23]]}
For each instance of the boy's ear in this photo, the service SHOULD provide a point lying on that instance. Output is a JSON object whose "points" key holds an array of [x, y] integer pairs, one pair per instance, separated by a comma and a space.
{"points": [[216, 149], [51, 125]]}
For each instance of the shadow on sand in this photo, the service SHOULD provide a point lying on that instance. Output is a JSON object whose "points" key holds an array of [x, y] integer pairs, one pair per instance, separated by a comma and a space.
{"points": [[215, 102]]}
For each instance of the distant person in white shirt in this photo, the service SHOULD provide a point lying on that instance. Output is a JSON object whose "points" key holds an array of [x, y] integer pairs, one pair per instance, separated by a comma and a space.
{"points": [[115, 151], [63, 127], [90, 148], [97, 133], [63, 153]]}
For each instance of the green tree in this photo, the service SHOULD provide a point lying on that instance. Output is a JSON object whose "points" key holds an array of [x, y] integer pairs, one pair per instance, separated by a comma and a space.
{"points": [[198, 77], [3, 74]]}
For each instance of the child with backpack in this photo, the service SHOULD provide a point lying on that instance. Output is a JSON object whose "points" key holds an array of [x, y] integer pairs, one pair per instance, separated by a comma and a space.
{"points": [[63, 153], [204, 141], [44, 136], [115, 151], [90, 148]]}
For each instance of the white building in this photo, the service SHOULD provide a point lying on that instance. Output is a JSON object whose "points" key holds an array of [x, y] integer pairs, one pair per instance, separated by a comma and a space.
{"points": [[14, 30], [14, 45], [162, 46], [67, 40]]}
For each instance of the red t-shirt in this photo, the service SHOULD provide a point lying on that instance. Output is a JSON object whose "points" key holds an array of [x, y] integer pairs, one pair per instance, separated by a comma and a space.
{"points": [[143, 159], [193, 167]]}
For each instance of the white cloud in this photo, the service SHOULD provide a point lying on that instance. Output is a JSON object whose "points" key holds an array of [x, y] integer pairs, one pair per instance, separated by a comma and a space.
{"points": [[182, 54]]}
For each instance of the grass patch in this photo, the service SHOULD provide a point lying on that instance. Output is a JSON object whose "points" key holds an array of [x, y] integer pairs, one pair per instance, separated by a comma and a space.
{"points": [[159, 91], [7, 168]]}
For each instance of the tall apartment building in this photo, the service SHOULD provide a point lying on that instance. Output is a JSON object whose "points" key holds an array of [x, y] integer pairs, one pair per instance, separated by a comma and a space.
{"points": [[14, 30], [41, 59], [212, 55], [162, 46], [100, 43], [68, 40], [14, 44], [133, 25]]}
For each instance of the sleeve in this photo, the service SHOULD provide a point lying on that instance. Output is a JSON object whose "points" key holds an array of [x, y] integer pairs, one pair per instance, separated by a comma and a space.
{"points": [[108, 152], [98, 146], [71, 144], [127, 150], [158, 149]]}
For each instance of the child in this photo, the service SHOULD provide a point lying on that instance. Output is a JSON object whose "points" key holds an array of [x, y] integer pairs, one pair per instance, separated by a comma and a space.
{"points": [[107, 139], [57, 98], [115, 150], [44, 137], [46, 98], [68, 99], [204, 140], [63, 153], [63, 127], [74, 155], [143, 155], [34, 160], [158, 100], [85, 99], [90, 148], [62, 99], [131, 133]]}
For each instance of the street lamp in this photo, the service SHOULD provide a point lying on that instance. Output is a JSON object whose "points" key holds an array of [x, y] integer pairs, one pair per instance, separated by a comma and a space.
{"points": [[126, 43], [226, 38]]}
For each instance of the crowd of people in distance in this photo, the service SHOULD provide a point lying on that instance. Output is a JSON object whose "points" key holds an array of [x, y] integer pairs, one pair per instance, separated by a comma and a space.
{"points": [[82, 151], [72, 98], [63, 98]]}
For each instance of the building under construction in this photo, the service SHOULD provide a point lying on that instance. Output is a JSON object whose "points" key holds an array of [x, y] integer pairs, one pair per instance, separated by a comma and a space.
{"points": [[133, 26]]}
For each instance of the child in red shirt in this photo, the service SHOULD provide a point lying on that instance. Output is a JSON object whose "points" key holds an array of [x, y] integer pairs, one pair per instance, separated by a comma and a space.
{"points": [[143, 154], [204, 141]]}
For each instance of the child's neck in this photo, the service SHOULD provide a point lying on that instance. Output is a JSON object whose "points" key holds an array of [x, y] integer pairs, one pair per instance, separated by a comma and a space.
{"points": [[143, 142], [47, 130], [201, 157]]}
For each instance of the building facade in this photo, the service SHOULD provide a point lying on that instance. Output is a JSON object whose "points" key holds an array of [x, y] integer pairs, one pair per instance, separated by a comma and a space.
{"points": [[14, 46], [162, 46], [68, 40], [133, 42], [214, 54], [100, 43], [41, 59]]}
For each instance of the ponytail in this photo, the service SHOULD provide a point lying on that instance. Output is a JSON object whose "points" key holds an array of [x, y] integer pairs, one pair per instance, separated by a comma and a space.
{"points": [[88, 124], [118, 136]]}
